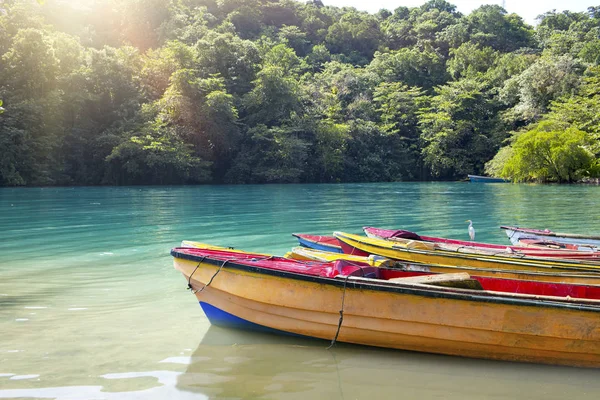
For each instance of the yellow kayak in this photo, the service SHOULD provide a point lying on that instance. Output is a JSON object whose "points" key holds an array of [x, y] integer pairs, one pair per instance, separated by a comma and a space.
{"points": [[421, 252]]}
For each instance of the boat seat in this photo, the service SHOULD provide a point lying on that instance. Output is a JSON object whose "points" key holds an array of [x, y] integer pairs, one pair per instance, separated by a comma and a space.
{"points": [[456, 280]]}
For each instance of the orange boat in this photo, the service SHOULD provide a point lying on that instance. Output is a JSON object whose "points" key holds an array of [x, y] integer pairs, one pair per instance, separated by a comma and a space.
{"points": [[355, 303]]}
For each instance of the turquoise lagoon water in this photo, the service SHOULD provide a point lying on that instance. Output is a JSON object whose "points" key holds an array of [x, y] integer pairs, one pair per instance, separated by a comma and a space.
{"points": [[91, 307]]}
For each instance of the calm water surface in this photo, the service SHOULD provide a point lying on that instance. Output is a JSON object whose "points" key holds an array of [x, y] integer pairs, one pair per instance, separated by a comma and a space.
{"points": [[91, 307]]}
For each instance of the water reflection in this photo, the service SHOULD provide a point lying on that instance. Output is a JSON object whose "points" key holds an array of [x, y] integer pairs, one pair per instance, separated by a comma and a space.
{"points": [[161, 386], [239, 364]]}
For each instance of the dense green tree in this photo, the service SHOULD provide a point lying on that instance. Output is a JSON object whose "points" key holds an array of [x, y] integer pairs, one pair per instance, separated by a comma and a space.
{"points": [[156, 156], [30, 132], [104, 97], [275, 97], [581, 110], [187, 22], [490, 25], [399, 107], [246, 21], [339, 88], [293, 37], [469, 59], [396, 29], [234, 59], [549, 152], [203, 114], [421, 26], [461, 129], [372, 155], [547, 79], [414, 67], [327, 156], [356, 33], [160, 64], [271, 155], [140, 20]]}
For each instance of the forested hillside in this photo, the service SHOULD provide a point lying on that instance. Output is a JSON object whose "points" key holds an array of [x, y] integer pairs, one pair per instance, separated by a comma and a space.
{"points": [[263, 91]]}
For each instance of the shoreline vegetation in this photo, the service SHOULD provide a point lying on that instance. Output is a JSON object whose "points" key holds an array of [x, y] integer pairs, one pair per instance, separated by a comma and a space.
{"points": [[159, 92]]}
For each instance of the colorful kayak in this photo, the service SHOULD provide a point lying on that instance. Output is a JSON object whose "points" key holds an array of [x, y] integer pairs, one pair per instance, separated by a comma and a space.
{"points": [[360, 304], [583, 242], [423, 252], [318, 242], [480, 248]]}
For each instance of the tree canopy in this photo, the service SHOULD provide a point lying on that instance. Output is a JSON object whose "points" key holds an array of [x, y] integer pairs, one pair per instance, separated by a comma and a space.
{"points": [[262, 91]]}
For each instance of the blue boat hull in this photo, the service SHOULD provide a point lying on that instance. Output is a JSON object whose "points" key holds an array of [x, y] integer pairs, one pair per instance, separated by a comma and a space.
{"points": [[486, 179], [318, 246], [218, 317]]}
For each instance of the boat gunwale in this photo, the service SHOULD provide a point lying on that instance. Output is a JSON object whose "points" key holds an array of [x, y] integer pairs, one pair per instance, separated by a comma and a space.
{"points": [[395, 287]]}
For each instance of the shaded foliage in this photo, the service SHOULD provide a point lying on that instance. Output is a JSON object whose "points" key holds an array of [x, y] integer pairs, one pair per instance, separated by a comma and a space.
{"points": [[265, 91]]}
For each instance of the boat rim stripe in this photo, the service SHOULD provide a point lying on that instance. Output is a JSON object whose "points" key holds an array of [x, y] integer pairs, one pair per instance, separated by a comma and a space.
{"points": [[433, 293]]}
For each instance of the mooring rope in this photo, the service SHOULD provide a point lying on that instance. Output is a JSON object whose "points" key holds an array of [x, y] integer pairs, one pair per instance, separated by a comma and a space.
{"points": [[210, 280], [189, 286], [341, 314]]}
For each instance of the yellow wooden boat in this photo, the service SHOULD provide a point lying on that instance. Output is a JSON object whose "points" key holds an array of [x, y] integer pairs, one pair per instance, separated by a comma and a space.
{"points": [[422, 252], [584, 278], [328, 301]]}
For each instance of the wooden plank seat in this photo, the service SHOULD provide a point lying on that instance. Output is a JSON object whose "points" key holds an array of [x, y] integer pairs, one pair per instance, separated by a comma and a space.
{"points": [[457, 280]]}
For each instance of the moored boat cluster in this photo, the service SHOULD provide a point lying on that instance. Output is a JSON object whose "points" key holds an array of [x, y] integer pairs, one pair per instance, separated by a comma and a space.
{"points": [[537, 300]]}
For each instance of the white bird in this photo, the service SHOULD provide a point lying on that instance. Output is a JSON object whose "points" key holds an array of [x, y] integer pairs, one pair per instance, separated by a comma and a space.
{"points": [[471, 230]]}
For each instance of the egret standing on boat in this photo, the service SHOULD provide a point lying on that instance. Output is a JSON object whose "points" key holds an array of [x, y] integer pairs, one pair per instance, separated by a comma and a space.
{"points": [[471, 230]]}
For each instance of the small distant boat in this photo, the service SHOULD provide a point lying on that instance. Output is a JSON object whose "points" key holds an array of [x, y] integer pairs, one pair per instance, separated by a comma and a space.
{"points": [[583, 242], [319, 242], [344, 301], [486, 179]]}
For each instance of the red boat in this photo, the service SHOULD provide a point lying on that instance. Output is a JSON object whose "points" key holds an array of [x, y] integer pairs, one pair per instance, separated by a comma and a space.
{"points": [[319, 242]]}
